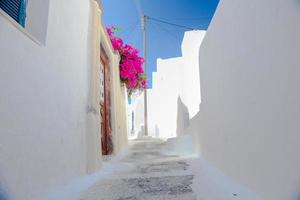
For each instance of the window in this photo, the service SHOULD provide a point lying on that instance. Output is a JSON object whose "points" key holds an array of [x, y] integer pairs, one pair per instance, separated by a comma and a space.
{"points": [[28, 16], [16, 9]]}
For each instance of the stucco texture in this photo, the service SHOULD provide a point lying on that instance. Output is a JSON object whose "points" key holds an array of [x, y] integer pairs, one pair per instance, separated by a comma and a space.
{"points": [[248, 124], [49, 122], [175, 95]]}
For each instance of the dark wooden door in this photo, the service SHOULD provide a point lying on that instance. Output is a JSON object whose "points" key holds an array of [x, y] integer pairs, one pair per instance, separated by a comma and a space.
{"points": [[105, 108]]}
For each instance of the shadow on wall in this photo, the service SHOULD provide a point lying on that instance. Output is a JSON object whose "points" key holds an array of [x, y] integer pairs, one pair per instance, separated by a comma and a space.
{"points": [[3, 195], [183, 117]]}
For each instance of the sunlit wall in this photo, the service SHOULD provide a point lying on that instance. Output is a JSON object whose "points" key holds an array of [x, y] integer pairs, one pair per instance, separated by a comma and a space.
{"points": [[175, 96], [249, 119]]}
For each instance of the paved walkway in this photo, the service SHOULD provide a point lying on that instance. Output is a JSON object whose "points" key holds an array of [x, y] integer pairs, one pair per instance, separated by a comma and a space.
{"points": [[148, 174], [155, 170]]}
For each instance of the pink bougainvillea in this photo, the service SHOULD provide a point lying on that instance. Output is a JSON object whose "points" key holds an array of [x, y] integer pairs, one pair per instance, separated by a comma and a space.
{"points": [[131, 70]]}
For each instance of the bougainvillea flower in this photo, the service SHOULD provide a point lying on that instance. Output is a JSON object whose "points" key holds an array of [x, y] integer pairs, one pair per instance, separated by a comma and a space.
{"points": [[131, 64]]}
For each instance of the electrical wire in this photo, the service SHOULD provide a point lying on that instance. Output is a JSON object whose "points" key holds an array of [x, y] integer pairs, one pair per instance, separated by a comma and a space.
{"points": [[186, 19], [130, 30], [175, 37], [133, 32], [170, 23]]}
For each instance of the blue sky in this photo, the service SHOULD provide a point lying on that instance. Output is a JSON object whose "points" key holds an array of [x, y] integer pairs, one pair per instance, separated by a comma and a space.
{"points": [[164, 41]]}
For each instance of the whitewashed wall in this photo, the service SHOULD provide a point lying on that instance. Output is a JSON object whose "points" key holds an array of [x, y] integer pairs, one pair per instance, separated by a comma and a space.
{"points": [[44, 102], [93, 134], [162, 98], [190, 80], [119, 109], [37, 13], [175, 96], [249, 119], [49, 119], [137, 107]]}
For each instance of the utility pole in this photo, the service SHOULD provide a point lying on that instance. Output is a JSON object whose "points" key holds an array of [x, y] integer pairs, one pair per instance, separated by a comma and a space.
{"points": [[144, 25]]}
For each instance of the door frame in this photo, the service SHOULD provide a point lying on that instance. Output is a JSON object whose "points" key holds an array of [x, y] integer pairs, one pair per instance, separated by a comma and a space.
{"points": [[106, 106]]}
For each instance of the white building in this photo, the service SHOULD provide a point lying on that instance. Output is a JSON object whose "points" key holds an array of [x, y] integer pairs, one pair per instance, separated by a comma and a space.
{"points": [[248, 125], [135, 116], [175, 96], [50, 83]]}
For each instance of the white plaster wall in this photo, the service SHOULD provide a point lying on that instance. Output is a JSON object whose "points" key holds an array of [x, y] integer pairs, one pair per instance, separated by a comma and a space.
{"points": [[175, 96], [162, 98], [43, 104], [122, 133], [93, 129], [136, 106], [248, 125], [37, 19], [119, 111], [130, 121], [191, 96]]}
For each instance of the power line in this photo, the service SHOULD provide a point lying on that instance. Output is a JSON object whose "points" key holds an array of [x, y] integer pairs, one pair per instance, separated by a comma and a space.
{"points": [[161, 28], [129, 28], [170, 23], [127, 33], [186, 19], [132, 35]]}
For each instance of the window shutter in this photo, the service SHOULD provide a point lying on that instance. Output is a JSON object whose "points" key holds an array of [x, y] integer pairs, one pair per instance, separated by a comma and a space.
{"points": [[16, 9]]}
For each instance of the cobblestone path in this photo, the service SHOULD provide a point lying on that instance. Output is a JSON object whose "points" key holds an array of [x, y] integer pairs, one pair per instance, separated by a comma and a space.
{"points": [[152, 175]]}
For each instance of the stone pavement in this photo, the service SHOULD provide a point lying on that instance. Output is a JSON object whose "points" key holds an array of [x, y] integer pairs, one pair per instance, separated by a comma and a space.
{"points": [[151, 175]]}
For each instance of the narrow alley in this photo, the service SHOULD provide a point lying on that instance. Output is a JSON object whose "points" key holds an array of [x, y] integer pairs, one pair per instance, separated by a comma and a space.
{"points": [[149, 100], [151, 175], [153, 169]]}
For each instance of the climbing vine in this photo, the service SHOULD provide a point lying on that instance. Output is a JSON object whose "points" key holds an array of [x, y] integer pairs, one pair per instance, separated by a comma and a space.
{"points": [[131, 64]]}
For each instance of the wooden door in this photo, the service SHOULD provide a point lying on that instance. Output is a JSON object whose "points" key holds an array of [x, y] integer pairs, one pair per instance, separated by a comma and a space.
{"points": [[105, 107]]}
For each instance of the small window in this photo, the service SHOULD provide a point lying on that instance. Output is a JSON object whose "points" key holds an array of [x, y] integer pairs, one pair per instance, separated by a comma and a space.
{"points": [[32, 15], [16, 9]]}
